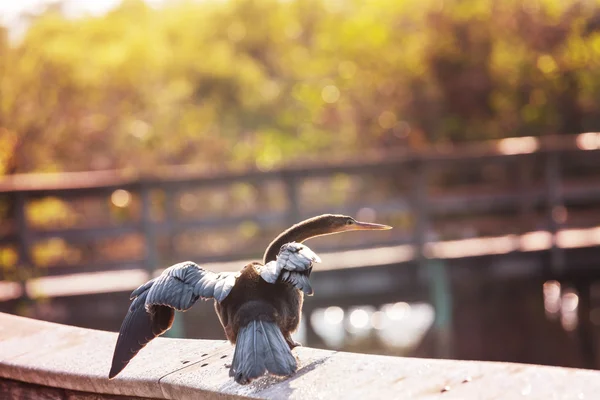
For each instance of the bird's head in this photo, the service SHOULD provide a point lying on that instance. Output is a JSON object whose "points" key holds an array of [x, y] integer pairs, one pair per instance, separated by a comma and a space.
{"points": [[343, 223]]}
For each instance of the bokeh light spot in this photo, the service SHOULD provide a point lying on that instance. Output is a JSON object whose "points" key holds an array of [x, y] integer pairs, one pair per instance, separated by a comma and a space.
{"points": [[330, 94], [588, 141], [120, 198], [334, 315], [397, 311], [552, 299], [546, 64], [518, 145], [378, 320], [139, 129], [359, 318]]}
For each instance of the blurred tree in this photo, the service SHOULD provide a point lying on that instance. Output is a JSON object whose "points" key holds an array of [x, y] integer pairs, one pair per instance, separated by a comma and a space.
{"points": [[241, 82]]}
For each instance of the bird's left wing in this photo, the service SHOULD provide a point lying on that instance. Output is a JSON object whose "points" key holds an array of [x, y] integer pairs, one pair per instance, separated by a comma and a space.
{"points": [[154, 303], [293, 265]]}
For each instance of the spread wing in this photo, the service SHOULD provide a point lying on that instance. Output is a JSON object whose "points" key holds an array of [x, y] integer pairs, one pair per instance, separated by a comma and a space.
{"points": [[293, 265], [154, 303]]}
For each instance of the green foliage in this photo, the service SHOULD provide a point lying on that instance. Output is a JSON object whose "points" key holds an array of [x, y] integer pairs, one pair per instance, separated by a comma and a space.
{"points": [[245, 82]]}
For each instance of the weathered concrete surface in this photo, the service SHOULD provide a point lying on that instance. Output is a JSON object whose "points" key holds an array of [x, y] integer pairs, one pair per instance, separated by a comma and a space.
{"points": [[16, 390], [78, 359]]}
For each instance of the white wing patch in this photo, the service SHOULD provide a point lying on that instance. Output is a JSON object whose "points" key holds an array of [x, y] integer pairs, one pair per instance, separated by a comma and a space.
{"points": [[224, 282], [293, 265]]}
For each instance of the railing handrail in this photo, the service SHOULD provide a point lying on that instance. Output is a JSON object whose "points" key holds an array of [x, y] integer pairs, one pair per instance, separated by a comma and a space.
{"points": [[184, 174]]}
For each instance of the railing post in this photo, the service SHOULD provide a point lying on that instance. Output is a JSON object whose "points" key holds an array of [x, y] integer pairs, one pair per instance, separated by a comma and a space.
{"points": [[291, 188], [171, 217], [177, 328], [431, 270], [151, 259], [585, 329], [420, 211], [25, 265], [293, 217], [526, 201], [553, 204]]}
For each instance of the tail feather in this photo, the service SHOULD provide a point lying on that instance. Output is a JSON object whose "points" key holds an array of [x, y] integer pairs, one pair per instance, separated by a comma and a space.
{"points": [[260, 348]]}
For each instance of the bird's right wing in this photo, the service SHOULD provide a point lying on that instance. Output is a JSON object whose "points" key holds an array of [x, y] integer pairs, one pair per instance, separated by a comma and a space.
{"points": [[293, 265], [154, 303]]}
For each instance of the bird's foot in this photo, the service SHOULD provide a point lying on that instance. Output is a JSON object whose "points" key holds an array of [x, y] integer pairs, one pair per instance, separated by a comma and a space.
{"points": [[227, 365]]}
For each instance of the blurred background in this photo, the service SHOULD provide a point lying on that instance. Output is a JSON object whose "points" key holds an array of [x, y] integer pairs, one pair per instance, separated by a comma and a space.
{"points": [[136, 134]]}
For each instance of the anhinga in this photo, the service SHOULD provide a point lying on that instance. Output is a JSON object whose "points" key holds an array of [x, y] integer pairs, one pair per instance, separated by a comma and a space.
{"points": [[259, 306]]}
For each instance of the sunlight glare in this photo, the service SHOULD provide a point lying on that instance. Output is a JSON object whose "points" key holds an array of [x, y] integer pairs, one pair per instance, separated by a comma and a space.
{"points": [[518, 145], [588, 141], [534, 241]]}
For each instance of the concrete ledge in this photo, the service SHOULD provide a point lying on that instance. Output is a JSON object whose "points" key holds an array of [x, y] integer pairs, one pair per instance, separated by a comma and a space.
{"points": [[36, 355]]}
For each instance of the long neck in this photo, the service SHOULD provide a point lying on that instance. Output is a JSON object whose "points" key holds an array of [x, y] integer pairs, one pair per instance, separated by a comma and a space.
{"points": [[298, 233]]}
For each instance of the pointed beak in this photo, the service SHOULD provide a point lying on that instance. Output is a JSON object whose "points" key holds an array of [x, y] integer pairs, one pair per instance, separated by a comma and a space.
{"points": [[367, 226]]}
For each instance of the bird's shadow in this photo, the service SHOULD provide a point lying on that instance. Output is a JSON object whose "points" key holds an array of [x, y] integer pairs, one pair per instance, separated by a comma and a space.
{"points": [[284, 388]]}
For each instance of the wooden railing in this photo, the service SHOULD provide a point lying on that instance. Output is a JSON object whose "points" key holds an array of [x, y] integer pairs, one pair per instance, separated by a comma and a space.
{"points": [[420, 194], [45, 360]]}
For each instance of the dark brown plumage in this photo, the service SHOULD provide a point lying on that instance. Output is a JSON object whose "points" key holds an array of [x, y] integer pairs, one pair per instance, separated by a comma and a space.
{"points": [[258, 307]]}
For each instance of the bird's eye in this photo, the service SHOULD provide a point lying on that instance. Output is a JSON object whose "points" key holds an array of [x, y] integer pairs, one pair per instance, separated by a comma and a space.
{"points": [[349, 222]]}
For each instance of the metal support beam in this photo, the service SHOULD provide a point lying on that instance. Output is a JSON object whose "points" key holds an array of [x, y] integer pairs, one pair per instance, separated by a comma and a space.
{"points": [[440, 290]]}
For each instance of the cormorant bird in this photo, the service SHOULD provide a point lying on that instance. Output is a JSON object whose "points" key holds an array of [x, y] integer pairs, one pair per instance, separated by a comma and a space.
{"points": [[258, 307]]}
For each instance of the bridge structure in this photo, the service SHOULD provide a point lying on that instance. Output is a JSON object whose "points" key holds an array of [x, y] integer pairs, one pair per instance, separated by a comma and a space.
{"points": [[479, 230]]}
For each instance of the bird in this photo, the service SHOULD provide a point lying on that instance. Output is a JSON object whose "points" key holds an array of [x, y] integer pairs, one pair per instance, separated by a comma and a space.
{"points": [[259, 307]]}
